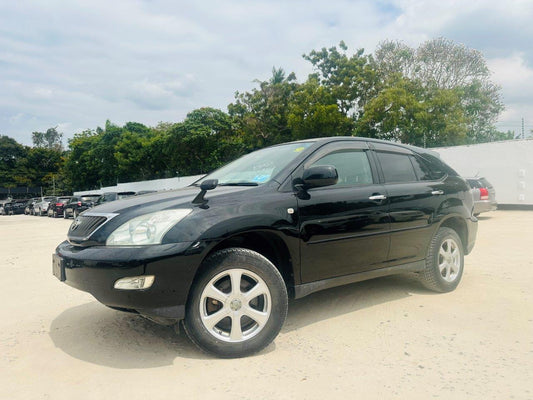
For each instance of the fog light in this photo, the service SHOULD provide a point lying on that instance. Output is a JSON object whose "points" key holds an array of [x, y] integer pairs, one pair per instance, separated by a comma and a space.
{"points": [[135, 282]]}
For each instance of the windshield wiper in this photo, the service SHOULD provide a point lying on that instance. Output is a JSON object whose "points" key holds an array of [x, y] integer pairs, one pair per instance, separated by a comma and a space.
{"points": [[239, 184]]}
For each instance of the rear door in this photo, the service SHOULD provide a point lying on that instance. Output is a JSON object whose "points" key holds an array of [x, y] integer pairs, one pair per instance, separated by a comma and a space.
{"points": [[344, 228], [414, 194]]}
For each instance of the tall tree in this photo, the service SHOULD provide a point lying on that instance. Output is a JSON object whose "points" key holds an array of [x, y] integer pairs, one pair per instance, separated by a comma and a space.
{"points": [[351, 80], [204, 141], [51, 139], [440, 65], [261, 115], [11, 155], [314, 112]]}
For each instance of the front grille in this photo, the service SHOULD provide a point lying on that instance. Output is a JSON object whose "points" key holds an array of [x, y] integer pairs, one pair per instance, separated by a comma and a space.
{"points": [[84, 225]]}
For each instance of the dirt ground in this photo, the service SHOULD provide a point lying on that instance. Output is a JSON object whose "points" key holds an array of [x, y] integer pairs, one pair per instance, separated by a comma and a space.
{"points": [[380, 339]]}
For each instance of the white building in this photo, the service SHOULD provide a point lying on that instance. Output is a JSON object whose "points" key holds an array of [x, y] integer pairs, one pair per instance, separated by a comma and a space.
{"points": [[508, 165]]}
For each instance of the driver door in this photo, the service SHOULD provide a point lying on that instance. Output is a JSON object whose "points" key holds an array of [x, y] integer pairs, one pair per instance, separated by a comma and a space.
{"points": [[344, 228]]}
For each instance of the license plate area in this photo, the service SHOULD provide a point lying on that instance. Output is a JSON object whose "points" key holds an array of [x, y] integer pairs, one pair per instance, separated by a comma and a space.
{"points": [[58, 267]]}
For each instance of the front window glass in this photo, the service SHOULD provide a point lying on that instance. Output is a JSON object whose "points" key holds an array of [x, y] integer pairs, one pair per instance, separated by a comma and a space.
{"points": [[352, 167], [258, 167]]}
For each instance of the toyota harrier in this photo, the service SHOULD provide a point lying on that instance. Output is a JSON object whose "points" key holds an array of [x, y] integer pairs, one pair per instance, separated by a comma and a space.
{"points": [[225, 254]]}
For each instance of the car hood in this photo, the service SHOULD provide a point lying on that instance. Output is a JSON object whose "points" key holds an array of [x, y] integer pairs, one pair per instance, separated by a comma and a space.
{"points": [[180, 198]]}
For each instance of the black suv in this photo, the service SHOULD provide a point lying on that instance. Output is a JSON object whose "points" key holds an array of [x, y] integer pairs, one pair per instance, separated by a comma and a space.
{"points": [[78, 204], [225, 254]]}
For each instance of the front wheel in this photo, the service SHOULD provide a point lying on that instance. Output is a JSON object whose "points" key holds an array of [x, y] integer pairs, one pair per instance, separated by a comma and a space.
{"points": [[444, 262], [238, 304]]}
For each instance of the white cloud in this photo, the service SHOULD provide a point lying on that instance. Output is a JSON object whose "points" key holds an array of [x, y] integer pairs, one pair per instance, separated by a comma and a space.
{"points": [[150, 61]]}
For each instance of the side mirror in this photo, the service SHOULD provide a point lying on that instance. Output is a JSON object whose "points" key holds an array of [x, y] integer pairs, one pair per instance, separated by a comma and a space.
{"points": [[320, 175], [209, 184], [206, 185]]}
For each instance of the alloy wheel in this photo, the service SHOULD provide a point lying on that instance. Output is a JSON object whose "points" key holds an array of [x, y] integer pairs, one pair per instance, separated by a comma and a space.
{"points": [[449, 260], [235, 305]]}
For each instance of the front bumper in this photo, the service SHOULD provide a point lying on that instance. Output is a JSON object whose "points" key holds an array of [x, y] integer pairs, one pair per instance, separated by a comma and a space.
{"points": [[96, 269]]}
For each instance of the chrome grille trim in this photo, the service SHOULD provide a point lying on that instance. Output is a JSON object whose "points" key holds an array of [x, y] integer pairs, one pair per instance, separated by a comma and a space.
{"points": [[86, 224]]}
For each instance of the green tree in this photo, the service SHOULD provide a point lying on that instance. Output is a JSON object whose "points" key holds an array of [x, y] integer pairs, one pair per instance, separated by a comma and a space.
{"points": [[204, 141], [441, 65], [409, 113], [11, 155], [82, 167], [313, 112], [261, 115], [351, 80], [51, 139]]}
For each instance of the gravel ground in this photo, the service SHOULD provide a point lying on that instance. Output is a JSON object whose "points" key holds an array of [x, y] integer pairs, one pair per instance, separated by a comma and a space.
{"points": [[381, 339]]}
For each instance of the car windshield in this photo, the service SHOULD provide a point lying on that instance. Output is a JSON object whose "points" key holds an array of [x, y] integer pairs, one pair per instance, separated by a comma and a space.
{"points": [[89, 198], [258, 167]]}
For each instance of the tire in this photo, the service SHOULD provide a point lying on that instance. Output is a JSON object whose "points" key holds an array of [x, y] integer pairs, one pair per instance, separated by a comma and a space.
{"points": [[75, 214], [65, 215], [444, 262], [54, 215], [210, 322]]}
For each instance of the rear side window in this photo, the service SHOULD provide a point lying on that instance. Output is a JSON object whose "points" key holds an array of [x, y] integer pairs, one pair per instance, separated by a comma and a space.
{"points": [[396, 167], [485, 183], [352, 166], [474, 183], [436, 166]]}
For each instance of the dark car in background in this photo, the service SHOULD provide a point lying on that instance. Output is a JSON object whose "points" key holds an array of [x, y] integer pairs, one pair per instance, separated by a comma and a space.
{"points": [[224, 254], [484, 195], [15, 207], [57, 206], [78, 204]]}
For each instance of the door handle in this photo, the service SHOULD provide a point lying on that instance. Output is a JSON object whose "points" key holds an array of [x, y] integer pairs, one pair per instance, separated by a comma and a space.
{"points": [[437, 192], [377, 197]]}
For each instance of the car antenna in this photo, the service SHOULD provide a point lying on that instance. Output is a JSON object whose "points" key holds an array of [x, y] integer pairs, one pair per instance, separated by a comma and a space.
{"points": [[208, 184]]}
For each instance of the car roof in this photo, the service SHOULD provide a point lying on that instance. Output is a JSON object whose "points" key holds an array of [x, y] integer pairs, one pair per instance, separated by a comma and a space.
{"points": [[324, 140]]}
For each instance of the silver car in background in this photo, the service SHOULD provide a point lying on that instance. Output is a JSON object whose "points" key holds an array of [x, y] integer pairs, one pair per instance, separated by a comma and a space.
{"points": [[484, 195], [40, 208]]}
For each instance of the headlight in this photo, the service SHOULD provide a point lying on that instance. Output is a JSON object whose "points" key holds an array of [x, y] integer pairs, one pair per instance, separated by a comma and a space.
{"points": [[146, 229]]}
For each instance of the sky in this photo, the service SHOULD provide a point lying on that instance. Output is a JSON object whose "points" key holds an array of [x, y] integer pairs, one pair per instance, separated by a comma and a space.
{"points": [[75, 64]]}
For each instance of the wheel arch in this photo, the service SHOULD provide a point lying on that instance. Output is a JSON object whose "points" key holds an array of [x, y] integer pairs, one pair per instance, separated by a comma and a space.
{"points": [[266, 243], [458, 224]]}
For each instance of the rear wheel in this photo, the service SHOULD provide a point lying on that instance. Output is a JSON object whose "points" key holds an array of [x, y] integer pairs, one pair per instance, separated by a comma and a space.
{"points": [[444, 262], [75, 214], [238, 305]]}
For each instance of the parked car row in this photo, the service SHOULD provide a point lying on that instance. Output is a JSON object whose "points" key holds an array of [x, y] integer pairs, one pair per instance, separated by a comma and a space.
{"points": [[60, 206]]}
